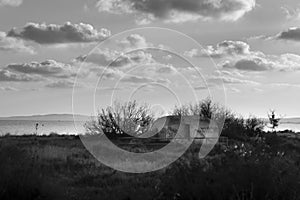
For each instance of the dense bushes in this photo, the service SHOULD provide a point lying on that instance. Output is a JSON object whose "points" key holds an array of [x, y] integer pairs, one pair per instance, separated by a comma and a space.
{"points": [[123, 119], [247, 171], [232, 125]]}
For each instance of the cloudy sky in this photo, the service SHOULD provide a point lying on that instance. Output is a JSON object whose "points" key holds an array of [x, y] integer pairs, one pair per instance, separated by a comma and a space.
{"points": [[242, 53]]}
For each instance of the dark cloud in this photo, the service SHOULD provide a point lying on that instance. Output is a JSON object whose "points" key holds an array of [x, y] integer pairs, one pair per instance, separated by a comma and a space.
{"points": [[38, 71], [55, 34], [283, 63], [290, 34], [179, 10], [250, 65], [48, 68]]}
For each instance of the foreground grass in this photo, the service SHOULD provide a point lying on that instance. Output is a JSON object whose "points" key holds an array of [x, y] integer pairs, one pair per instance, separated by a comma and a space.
{"points": [[59, 167]]}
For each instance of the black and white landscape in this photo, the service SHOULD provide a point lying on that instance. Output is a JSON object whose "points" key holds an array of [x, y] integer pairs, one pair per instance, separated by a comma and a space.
{"points": [[150, 99]]}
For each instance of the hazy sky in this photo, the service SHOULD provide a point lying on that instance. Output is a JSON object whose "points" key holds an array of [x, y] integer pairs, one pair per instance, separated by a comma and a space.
{"points": [[251, 47]]}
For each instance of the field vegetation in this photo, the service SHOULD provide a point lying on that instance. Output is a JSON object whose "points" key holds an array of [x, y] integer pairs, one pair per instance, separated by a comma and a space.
{"points": [[253, 165]]}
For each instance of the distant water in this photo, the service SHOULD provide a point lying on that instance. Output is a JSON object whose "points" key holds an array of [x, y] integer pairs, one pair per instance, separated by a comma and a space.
{"points": [[289, 126], [22, 127]]}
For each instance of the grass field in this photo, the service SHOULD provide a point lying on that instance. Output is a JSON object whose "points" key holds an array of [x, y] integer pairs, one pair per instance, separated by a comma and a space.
{"points": [[59, 167]]}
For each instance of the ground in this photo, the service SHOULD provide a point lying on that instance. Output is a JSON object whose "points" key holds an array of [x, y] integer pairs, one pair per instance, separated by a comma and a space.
{"points": [[59, 167]]}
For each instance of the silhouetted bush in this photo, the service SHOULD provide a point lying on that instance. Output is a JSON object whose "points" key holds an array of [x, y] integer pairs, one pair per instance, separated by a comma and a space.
{"points": [[232, 125], [121, 120]]}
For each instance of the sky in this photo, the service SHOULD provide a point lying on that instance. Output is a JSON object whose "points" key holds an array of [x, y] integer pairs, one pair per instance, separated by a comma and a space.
{"points": [[64, 56]]}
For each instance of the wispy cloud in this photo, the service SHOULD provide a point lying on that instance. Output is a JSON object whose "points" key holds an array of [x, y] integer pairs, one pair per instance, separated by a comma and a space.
{"points": [[61, 84], [8, 89], [291, 13], [13, 3]]}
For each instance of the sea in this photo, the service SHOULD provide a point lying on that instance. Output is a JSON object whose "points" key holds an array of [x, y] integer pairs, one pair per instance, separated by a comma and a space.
{"points": [[27, 127], [23, 127]]}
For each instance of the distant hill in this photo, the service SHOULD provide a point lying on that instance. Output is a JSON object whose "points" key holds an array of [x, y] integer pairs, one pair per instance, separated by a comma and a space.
{"points": [[50, 117], [291, 120]]}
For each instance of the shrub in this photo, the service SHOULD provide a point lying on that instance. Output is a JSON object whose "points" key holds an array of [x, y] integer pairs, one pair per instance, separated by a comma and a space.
{"points": [[121, 120]]}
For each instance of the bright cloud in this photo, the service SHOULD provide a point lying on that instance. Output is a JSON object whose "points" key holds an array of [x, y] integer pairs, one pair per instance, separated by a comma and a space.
{"points": [[13, 3], [238, 55], [223, 49], [14, 44]]}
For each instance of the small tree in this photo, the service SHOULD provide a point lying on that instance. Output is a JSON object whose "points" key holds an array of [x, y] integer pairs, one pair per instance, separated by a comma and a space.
{"points": [[274, 121], [205, 109]]}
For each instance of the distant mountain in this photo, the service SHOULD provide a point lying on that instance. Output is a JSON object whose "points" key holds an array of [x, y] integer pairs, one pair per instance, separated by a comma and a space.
{"points": [[50, 117]]}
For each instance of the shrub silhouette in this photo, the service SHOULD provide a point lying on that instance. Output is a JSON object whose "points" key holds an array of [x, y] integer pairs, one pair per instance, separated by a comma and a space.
{"points": [[121, 120]]}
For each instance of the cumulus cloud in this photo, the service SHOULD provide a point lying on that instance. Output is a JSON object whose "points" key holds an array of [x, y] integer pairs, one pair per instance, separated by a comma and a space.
{"points": [[284, 62], [134, 41], [48, 68], [223, 49], [255, 64], [291, 34], [178, 11], [128, 54], [8, 76], [13, 3], [238, 55], [102, 57], [58, 34], [116, 59], [14, 44]]}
